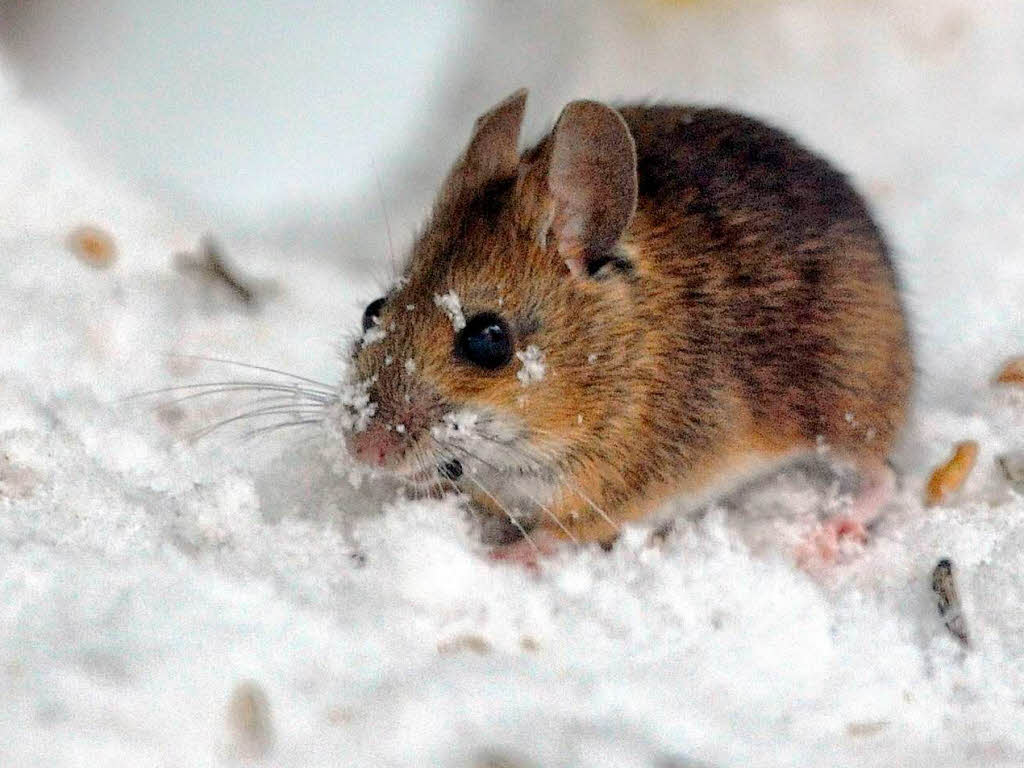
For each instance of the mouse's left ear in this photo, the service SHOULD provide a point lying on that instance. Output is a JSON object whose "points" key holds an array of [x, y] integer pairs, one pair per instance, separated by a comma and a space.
{"points": [[492, 152], [592, 183]]}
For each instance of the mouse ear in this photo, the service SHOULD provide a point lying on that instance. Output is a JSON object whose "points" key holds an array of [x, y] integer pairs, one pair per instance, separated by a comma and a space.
{"points": [[493, 149], [591, 181]]}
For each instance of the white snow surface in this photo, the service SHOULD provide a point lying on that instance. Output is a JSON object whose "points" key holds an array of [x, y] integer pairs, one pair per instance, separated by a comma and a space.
{"points": [[143, 579]]}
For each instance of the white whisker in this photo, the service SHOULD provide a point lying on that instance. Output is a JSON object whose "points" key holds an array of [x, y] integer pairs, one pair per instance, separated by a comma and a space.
{"points": [[387, 219], [542, 507], [297, 413], [220, 387], [265, 369], [512, 518], [250, 434], [566, 479], [509, 515]]}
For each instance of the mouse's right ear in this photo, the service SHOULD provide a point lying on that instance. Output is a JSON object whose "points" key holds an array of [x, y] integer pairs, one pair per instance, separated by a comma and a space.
{"points": [[493, 150]]}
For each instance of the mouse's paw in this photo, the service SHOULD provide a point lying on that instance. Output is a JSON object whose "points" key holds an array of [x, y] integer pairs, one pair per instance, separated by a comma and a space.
{"points": [[824, 545], [529, 550]]}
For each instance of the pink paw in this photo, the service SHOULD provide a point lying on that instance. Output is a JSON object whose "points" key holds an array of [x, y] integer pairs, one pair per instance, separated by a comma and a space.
{"points": [[822, 547], [529, 551]]}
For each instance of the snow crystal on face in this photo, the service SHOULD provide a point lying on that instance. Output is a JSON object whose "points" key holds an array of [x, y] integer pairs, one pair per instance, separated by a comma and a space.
{"points": [[373, 334], [533, 367], [354, 408], [410, 365], [461, 424], [452, 307], [592, 358]]}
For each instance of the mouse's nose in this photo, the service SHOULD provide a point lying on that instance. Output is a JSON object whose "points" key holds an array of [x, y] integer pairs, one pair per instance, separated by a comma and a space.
{"points": [[377, 445]]}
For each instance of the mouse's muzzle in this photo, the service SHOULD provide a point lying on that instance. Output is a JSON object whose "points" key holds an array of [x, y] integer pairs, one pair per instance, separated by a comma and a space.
{"points": [[391, 431], [378, 446]]}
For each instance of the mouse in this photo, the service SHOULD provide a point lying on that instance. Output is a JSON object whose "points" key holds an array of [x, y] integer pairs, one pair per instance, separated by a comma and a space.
{"points": [[652, 302]]}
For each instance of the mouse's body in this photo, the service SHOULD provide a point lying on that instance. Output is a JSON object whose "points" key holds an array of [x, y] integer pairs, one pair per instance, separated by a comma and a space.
{"points": [[651, 302]]}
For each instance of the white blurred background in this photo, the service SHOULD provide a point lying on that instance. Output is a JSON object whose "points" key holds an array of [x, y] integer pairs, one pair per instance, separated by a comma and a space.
{"points": [[262, 114]]}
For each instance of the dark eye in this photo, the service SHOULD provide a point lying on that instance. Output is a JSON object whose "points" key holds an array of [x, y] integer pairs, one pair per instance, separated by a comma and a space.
{"points": [[485, 341], [371, 313]]}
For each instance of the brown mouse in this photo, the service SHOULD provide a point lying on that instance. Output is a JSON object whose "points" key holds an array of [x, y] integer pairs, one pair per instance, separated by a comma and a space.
{"points": [[652, 302]]}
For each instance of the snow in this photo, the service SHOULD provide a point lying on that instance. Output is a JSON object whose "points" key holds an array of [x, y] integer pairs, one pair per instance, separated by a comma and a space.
{"points": [[457, 426], [373, 334], [354, 406], [151, 589], [452, 306], [532, 368]]}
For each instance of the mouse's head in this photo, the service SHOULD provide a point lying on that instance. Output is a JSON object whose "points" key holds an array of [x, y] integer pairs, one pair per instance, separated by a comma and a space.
{"points": [[501, 346]]}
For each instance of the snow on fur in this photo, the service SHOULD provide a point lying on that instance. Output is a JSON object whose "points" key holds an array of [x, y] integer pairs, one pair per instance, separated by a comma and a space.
{"points": [[532, 366], [452, 306]]}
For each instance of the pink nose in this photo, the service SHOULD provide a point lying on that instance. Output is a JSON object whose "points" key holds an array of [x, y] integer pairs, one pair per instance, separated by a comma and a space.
{"points": [[376, 445]]}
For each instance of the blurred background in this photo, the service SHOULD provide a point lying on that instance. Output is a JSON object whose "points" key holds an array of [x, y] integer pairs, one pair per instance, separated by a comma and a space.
{"points": [[259, 116], [275, 121]]}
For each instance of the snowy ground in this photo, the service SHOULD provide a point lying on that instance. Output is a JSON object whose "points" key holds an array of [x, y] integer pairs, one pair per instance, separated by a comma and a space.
{"points": [[143, 581]]}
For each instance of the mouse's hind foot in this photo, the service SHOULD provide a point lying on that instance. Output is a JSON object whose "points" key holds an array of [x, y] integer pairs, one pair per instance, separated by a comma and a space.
{"points": [[825, 544], [529, 550]]}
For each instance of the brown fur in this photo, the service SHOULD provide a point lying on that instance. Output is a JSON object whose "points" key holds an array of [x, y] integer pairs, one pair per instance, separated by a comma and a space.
{"points": [[749, 308]]}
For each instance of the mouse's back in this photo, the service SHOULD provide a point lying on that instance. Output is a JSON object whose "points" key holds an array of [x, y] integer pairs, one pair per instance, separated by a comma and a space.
{"points": [[772, 263]]}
